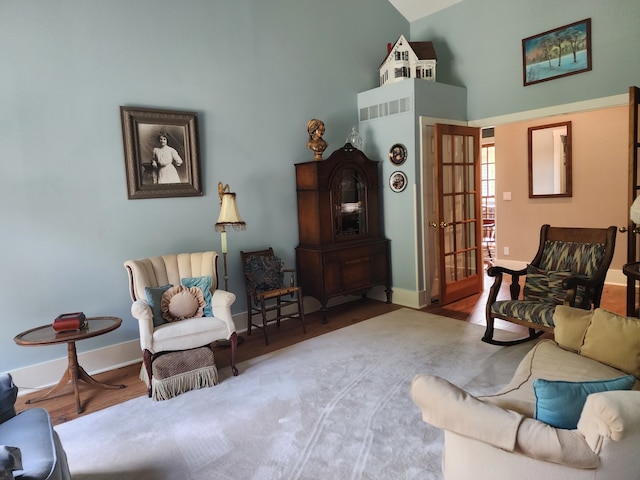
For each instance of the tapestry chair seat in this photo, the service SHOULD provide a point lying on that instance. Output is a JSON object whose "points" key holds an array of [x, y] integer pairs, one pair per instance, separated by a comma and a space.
{"points": [[569, 269], [268, 295]]}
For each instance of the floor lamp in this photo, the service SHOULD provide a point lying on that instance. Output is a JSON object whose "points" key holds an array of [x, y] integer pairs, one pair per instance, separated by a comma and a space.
{"points": [[229, 218]]}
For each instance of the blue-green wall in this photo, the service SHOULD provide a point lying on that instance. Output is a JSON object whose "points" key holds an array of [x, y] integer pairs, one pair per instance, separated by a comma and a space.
{"points": [[255, 71], [479, 46]]}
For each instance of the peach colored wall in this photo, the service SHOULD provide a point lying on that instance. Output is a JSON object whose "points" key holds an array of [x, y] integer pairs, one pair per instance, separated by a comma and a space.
{"points": [[599, 183]]}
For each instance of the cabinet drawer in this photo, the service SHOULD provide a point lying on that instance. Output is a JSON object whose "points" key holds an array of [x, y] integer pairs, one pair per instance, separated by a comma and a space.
{"points": [[358, 268]]}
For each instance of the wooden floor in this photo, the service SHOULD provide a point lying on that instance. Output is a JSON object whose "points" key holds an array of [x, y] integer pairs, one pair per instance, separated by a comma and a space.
{"points": [[62, 406]]}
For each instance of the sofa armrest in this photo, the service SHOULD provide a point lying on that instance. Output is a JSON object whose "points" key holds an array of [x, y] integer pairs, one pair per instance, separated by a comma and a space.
{"points": [[612, 414], [446, 406], [555, 445], [141, 311], [10, 458]]}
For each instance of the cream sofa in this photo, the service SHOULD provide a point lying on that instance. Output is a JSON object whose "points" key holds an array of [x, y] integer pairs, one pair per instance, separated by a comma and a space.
{"points": [[497, 436]]}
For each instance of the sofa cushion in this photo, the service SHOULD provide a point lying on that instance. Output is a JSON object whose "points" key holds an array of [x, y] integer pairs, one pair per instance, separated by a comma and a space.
{"points": [[570, 326], [204, 283], [560, 403], [613, 340]]}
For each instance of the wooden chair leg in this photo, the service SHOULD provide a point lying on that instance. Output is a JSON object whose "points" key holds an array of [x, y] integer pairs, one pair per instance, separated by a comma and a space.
{"points": [[264, 322], [249, 316], [233, 340], [147, 359], [301, 312], [278, 312]]}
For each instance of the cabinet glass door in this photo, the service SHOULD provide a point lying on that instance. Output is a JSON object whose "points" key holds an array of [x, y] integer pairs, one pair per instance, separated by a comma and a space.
{"points": [[349, 204]]}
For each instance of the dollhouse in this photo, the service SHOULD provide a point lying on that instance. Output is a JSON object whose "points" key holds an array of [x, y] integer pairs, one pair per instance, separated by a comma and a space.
{"points": [[408, 60]]}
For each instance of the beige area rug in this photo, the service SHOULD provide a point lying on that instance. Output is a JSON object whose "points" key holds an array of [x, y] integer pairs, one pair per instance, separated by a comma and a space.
{"points": [[332, 407]]}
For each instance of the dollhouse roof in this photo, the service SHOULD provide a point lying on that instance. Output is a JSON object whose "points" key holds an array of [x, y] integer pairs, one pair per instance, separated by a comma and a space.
{"points": [[422, 50]]}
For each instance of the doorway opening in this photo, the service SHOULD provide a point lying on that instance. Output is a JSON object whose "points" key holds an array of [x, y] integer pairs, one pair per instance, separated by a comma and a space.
{"points": [[488, 205]]}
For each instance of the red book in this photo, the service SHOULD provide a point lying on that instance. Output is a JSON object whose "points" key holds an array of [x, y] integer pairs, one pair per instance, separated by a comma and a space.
{"points": [[69, 321]]}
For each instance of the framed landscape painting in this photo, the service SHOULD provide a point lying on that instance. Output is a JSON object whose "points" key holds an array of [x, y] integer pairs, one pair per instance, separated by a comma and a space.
{"points": [[160, 153], [557, 53]]}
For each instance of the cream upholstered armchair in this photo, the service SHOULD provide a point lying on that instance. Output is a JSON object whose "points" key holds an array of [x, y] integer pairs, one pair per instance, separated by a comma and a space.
{"points": [[151, 278]]}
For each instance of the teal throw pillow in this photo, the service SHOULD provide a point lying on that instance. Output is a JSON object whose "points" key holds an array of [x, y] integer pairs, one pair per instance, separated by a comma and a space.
{"points": [[560, 403], [204, 284], [154, 298]]}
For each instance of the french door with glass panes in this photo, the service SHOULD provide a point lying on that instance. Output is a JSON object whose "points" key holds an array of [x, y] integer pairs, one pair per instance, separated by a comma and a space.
{"points": [[459, 221]]}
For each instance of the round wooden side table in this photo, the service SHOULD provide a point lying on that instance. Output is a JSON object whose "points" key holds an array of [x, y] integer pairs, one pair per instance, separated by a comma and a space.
{"points": [[46, 335]]}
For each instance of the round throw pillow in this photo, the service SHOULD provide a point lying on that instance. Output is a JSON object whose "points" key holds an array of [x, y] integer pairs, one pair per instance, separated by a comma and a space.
{"points": [[180, 302]]}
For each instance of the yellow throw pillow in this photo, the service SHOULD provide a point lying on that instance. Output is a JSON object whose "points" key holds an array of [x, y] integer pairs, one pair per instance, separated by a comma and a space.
{"points": [[613, 340], [570, 326]]}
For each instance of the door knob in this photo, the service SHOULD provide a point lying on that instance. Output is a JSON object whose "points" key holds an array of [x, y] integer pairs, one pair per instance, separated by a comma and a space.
{"points": [[625, 229], [444, 224]]}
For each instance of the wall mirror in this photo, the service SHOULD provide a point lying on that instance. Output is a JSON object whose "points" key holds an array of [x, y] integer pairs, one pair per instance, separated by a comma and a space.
{"points": [[550, 160]]}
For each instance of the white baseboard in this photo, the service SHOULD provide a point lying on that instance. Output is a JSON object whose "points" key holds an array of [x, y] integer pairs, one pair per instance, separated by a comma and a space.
{"points": [[47, 374]]}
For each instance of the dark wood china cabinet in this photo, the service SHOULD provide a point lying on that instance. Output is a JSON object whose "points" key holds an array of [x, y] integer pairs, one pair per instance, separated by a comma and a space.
{"points": [[342, 249]]}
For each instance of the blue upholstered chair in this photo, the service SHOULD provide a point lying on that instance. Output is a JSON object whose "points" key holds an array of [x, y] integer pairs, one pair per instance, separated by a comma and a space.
{"points": [[29, 446], [569, 268]]}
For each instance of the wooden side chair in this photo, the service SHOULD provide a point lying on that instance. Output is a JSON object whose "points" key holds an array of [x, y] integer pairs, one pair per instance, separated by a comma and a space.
{"points": [[267, 294], [569, 268]]}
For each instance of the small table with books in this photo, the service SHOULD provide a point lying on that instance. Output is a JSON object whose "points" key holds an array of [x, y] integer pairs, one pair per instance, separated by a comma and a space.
{"points": [[46, 335]]}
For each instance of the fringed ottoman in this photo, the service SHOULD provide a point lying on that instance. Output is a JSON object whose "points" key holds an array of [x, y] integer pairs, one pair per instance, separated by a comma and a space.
{"points": [[178, 372]]}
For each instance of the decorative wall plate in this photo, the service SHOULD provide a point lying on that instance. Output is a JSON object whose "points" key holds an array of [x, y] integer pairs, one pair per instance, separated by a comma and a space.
{"points": [[398, 181], [398, 154]]}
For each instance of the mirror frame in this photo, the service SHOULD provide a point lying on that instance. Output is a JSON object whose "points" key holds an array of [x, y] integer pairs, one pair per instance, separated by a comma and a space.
{"points": [[568, 162]]}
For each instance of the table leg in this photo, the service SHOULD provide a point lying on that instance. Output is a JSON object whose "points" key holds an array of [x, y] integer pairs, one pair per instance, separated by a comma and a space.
{"points": [[73, 374]]}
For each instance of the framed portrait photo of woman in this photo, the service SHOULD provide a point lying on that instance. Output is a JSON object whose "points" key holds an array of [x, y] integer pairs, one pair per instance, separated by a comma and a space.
{"points": [[161, 153]]}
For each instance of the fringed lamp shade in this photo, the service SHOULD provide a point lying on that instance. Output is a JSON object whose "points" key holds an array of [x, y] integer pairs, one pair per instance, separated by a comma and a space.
{"points": [[229, 217], [229, 214]]}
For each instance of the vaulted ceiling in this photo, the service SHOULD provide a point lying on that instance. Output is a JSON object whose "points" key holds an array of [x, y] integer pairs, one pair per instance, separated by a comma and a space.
{"points": [[415, 9]]}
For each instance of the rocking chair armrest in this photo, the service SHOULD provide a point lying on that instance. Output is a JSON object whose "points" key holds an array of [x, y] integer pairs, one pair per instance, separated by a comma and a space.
{"points": [[496, 270], [570, 283]]}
